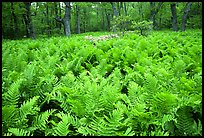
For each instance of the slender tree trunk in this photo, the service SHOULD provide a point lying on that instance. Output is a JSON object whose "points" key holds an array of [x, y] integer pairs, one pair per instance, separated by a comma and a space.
{"points": [[78, 19], [60, 15], [153, 11], [14, 21], [184, 17], [108, 20], [85, 20], [152, 14], [103, 20], [141, 10], [56, 14], [121, 8], [28, 21], [115, 13], [66, 19], [174, 17], [125, 9], [47, 20]]}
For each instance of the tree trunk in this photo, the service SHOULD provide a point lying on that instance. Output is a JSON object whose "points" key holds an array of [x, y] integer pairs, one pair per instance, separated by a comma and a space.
{"points": [[103, 20], [60, 15], [108, 20], [47, 20], [121, 8], [184, 17], [14, 21], [174, 17], [125, 9], [66, 19], [28, 21], [115, 13], [78, 19], [84, 23], [57, 25], [153, 12]]}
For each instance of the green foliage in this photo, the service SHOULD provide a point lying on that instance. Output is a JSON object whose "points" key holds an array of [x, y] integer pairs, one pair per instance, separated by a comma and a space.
{"points": [[144, 27], [121, 23], [133, 86]]}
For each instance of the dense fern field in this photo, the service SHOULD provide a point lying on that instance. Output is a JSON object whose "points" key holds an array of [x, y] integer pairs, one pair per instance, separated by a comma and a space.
{"points": [[130, 85]]}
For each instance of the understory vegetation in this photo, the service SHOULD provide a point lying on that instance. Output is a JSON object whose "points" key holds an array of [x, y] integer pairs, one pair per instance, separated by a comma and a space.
{"points": [[131, 85]]}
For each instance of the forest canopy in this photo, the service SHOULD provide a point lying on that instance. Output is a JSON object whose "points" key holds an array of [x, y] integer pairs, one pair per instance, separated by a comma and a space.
{"points": [[37, 19]]}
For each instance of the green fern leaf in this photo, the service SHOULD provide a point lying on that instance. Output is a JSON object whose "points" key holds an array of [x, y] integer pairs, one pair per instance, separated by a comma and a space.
{"points": [[12, 96], [9, 114], [62, 128], [19, 132], [185, 120], [42, 119], [28, 107]]}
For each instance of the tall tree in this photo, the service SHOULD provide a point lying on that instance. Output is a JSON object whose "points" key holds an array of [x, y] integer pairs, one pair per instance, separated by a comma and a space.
{"points": [[125, 8], [28, 21], [153, 11], [66, 20], [78, 19], [14, 20], [47, 20], [185, 14], [115, 13], [57, 25], [174, 17]]}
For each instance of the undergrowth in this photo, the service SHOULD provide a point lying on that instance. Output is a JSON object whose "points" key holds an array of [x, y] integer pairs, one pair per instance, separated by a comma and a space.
{"points": [[128, 86]]}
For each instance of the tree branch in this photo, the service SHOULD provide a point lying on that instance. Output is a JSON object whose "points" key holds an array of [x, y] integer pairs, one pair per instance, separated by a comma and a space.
{"points": [[58, 19]]}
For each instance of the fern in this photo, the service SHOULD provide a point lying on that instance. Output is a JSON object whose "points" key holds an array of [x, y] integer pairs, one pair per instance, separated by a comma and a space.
{"points": [[12, 96], [109, 126], [62, 128], [41, 120], [163, 102], [28, 107], [19, 132], [185, 121]]}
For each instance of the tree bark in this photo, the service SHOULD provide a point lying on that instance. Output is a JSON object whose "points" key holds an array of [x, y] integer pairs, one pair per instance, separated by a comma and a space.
{"points": [[115, 13], [47, 20], [125, 9], [28, 21], [121, 8], [108, 20], [14, 21], [78, 19], [103, 20], [184, 17], [57, 25], [174, 17], [60, 15], [66, 19], [153, 11]]}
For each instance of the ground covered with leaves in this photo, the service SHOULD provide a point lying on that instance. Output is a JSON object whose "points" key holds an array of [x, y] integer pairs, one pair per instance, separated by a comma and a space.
{"points": [[128, 85]]}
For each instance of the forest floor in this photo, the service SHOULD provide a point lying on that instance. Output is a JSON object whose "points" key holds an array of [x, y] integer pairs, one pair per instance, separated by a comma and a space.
{"points": [[107, 85]]}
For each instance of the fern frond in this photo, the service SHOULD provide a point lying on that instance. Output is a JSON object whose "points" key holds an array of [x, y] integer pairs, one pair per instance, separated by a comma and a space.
{"points": [[29, 72], [42, 119], [163, 102], [185, 120], [12, 96], [7, 134], [108, 126], [62, 128], [9, 115], [28, 107], [19, 132]]}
